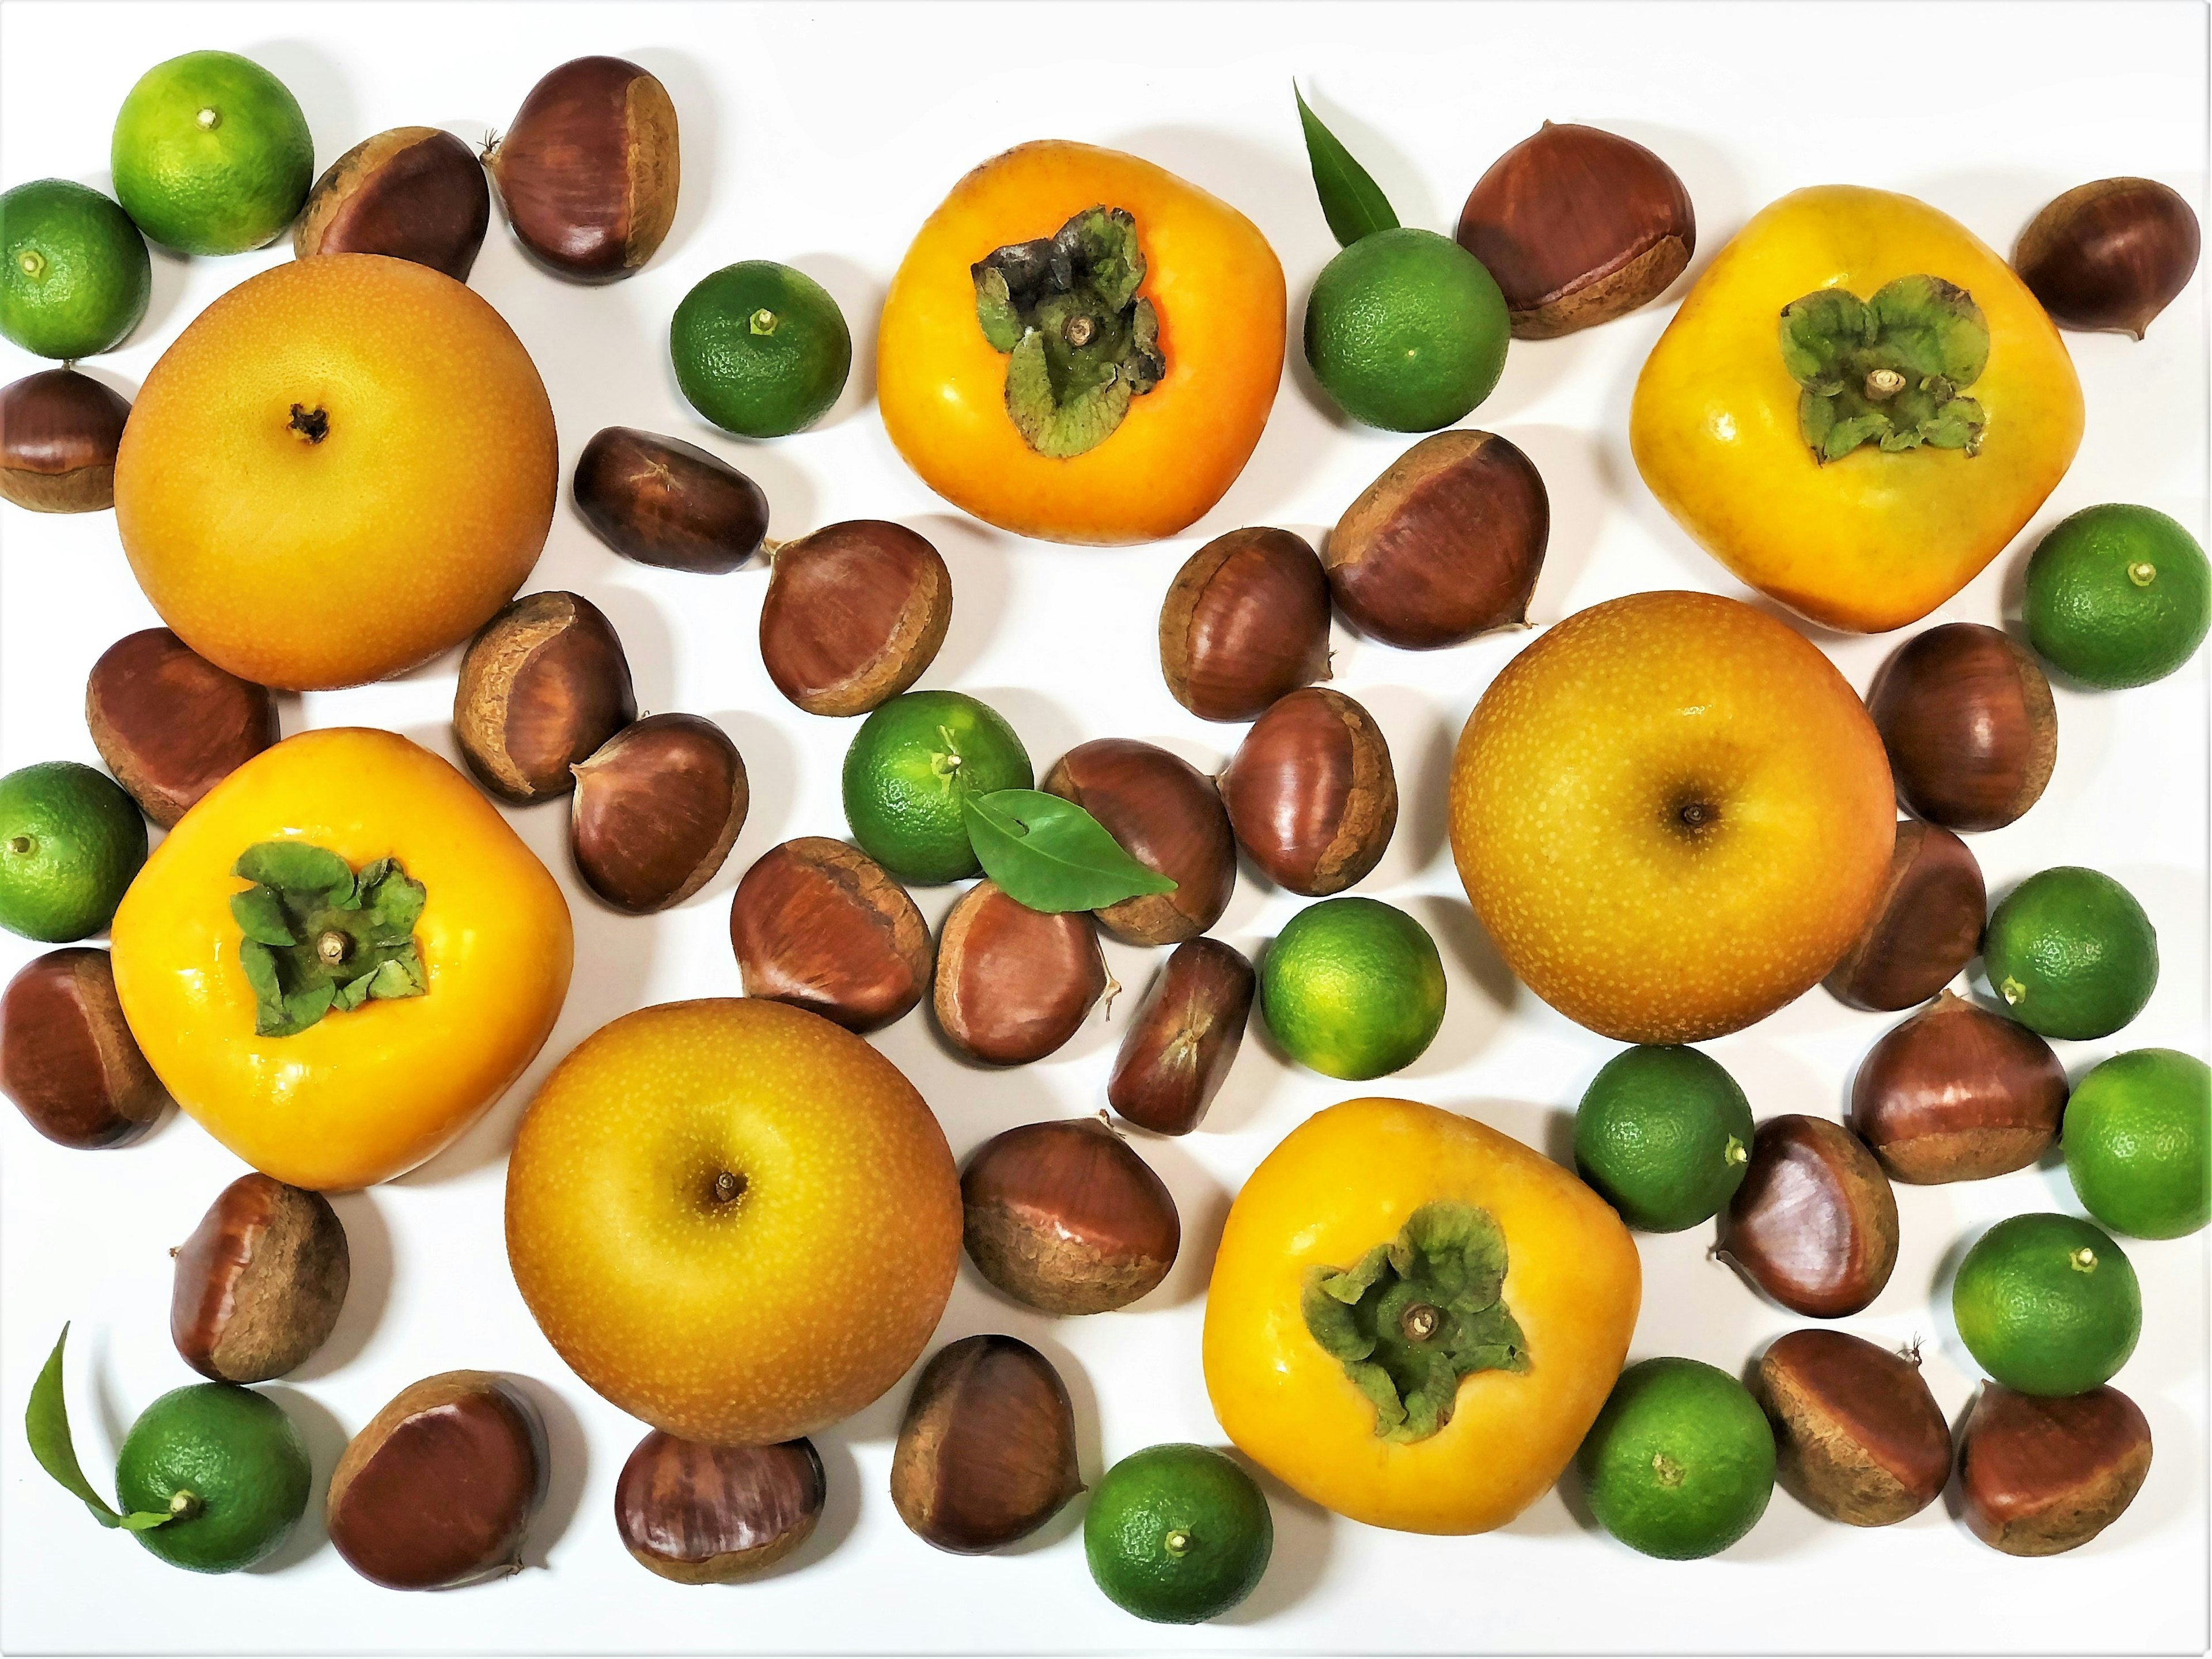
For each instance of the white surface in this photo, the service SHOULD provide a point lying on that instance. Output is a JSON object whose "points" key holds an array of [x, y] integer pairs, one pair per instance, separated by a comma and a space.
{"points": [[822, 137]]}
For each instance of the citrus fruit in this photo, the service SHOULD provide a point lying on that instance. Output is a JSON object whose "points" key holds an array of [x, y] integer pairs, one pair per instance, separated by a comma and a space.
{"points": [[1681, 1462], [909, 765], [211, 153], [70, 840], [1352, 987], [1406, 330], [227, 1462], [77, 275], [760, 350], [1664, 1133], [2047, 1305], [2117, 595], [2071, 953], [1177, 1534], [2138, 1139]]}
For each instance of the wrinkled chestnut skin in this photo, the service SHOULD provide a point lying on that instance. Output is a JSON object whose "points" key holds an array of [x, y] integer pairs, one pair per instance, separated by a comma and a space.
{"points": [[2040, 1477], [662, 501], [1925, 928], [714, 1515], [1957, 1093], [1858, 1436], [656, 810], [2109, 255], [59, 431], [171, 725], [1178, 1049], [589, 170], [822, 926], [412, 193], [1245, 621], [853, 613], [1168, 816], [542, 685], [1814, 1223], [1064, 1217], [68, 1060], [986, 1454], [1967, 719], [1310, 792], [1013, 984], [260, 1285]]}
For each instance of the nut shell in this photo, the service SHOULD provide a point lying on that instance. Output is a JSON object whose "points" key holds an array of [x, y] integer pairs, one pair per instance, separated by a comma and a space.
{"points": [[2109, 255], [59, 431], [1245, 621], [2043, 1476], [1957, 1093], [1857, 1435], [656, 810], [1178, 1049], [662, 501], [1925, 928], [854, 614], [542, 686], [589, 170], [1310, 792], [1168, 816], [986, 1453], [1064, 1217], [1967, 719], [412, 193], [169, 724], [1013, 984], [260, 1283], [1814, 1223], [822, 926], [67, 1058], [714, 1515]]}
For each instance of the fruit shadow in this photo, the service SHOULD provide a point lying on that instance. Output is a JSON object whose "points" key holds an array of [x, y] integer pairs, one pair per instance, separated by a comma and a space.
{"points": [[648, 645], [568, 1457], [1471, 1021], [1567, 461], [1305, 1536], [368, 1286], [859, 294], [840, 1508], [1948, 1340], [772, 791], [324, 95], [1420, 741], [1201, 1210], [698, 126], [982, 573], [325, 1438], [1570, 1513]]}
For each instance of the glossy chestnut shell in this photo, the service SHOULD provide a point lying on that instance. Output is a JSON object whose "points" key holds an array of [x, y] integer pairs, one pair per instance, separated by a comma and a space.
{"points": [[663, 502], [1168, 816], [169, 724], [822, 926], [1245, 621], [1183, 1038], [854, 614], [1013, 984], [1957, 1093], [1066, 1218], [2041, 1476], [67, 1058], [1310, 792], [412, 193], [1925, 928], [986, 1453], [1858, 1436], [1968, 721], [715, 1514], [542, 686], [59, 431], [1814, 1223], [260, 1283]]}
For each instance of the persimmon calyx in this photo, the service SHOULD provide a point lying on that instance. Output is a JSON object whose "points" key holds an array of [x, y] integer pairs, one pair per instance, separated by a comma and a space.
{"points": [[1889, 370], [319, 937]]}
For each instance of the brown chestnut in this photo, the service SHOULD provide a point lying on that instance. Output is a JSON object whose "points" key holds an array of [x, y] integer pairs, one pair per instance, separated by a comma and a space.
{"points": [[59, 431], [1579, 226], [663, 502], [1814, 1223], [1925, 927], [1245, 621], [259, 1284], [589, 171], [656, 810], [1858, 1436], [2042, 1476], [542, 685], [1168, 816], [713, 1514], [440, 1488], [1177, 1051], [1310, 792], [2109, 255], [171, 725], [822, 926], [68, 1060], [986, 1453], [1967, 719], [1064, 1217], [1013, 984], [1957, 1093], [412, 193], [853, 613]]}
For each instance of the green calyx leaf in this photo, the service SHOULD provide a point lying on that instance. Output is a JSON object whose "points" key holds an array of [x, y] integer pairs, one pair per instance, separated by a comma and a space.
{"points": [[1079, 342], [1351, 202], [1052, 855], [319, 936], [1413, 1316], [46, 1426], [1889, 370]]}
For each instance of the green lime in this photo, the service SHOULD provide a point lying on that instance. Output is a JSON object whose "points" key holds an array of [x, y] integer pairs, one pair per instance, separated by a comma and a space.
{"points": [[1177, 1534], [910, 763], [1352, 987], [1406, 331], [227, 1462], [70, 840], [2071, 953], [760, 350], [2047, 1305], [2138, 1139], [211, 153], [1664, 1133], [2117, 595], [1681, 1462], [78, 275]]}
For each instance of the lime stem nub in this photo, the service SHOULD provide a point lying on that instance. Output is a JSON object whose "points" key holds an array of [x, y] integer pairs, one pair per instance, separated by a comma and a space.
{"points": [[763, 321], [208, 120], [1177, 1543], [2142, 573], [2083, 1261]]}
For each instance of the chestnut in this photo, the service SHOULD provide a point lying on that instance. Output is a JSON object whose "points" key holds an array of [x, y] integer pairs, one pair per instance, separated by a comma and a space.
{"points": [[713, 1514], [1168, 816], [589, 171], [656, 810], [169, 724], [1967, 719], [2042, 1476], [1245, 621], [542, 684], [822, 926], [2109, 255], [1857, 1435], [663, 502], [1814, 1223], [1310, 792], [1957, 1093], [1013, 984], [68, 1060], [1579, 226], [1177, 1051], [853, 613], [412, 193], [439, 1488], [1925, 927], [259, 1284], [986, 1452], [1064, 1217], [59, 431]]}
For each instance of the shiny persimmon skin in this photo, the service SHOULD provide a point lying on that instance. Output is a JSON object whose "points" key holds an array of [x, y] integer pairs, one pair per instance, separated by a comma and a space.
{"points": [[1216, 285]]}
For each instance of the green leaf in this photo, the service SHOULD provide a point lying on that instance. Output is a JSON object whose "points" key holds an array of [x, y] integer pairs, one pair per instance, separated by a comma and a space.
{"points": [[46, 1426], [261, 916], [352, 994], [392, 901], [402, 976], [1052, 855], [1351, 202], [298, 866]]}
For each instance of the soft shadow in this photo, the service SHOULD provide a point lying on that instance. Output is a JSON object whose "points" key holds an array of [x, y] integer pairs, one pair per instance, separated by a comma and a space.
{"points": [[1939, 1300], [568, 1459], [1487, 986], [368, 1286], [326, 1441], [1566, 461], [977, 562], [772, 788], [1559, 1136], [841, 1508], [698, 138], [1954, 1496], [1245, 1091], [325, 98], [860, 296], [1786, 1530], [648, 645], [1045, 728], [1717, 197], [1201, 1208], [1304, 1536], [1420, 742], [1090, 1456], [1575, 1500]]}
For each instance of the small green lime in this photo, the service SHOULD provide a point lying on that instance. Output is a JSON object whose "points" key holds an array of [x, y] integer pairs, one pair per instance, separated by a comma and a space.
{"points": [[2071, 953], [2117, 595], [1177, 1534], [909, 765], [1681, 1462], [78, 275], [760, 350], [1665, 1134], [2047, 1305], [211, 153], [2138, 1139], [1406, 331], [1352, 987], [70, 840], [228, 1461]]}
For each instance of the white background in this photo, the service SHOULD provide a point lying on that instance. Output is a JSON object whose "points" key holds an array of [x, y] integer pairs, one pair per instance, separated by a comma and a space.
{"points": [[821, 135]]}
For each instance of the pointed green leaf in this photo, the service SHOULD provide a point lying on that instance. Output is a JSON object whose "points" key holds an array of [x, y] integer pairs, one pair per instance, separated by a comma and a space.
{"points": [[402, 976], [1052, 855], [261, 916], [1351, 202], [46, 1423], [393, 902], [297, 865]]}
